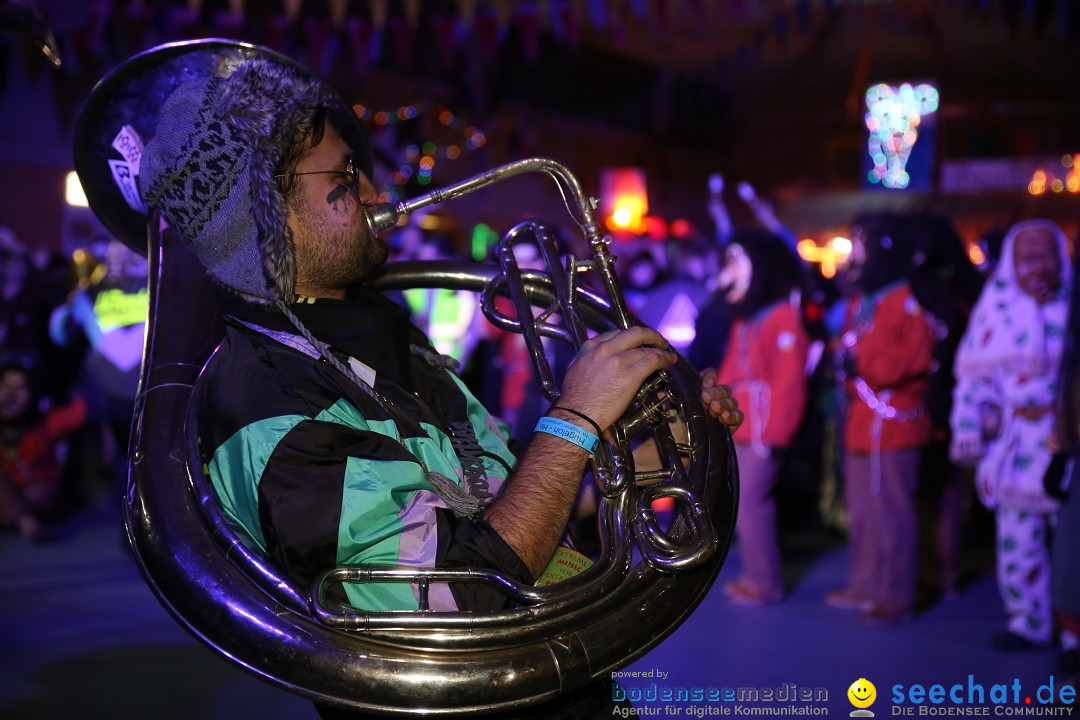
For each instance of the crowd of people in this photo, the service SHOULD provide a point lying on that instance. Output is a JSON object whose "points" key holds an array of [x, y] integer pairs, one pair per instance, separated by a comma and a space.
{"points": [[940, 382], [71, 336], [928, 377], [922, 393], [918, 377]]}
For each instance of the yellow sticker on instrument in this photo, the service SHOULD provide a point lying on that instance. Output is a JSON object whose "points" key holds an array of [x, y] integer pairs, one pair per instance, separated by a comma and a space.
{"points": [[565, 564]]}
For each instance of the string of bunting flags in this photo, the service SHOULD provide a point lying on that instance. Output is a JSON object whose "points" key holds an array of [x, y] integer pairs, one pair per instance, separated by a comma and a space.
{"points": [[369, 32], [344, 40]]}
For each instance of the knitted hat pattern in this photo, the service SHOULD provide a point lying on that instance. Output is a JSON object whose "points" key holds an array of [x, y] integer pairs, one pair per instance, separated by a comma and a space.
{"points": [[210, 167]]}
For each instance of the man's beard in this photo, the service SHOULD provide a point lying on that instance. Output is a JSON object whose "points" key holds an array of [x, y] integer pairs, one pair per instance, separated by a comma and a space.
{"points": [[345, 263], [341, 257]]}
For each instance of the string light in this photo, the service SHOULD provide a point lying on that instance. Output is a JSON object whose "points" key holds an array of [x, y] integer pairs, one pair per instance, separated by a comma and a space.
{"points": [[1043, 180], [893, 118], [1037, 186], [419, 160], [976, 255], [833, 253]]}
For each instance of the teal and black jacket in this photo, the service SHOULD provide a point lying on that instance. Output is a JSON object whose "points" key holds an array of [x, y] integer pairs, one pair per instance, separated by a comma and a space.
{"points": [[320, 474]]}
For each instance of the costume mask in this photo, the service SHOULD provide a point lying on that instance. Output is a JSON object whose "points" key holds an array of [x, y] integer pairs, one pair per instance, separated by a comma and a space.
{"points": [[736, 274], [1038, 268], [14, 394]]}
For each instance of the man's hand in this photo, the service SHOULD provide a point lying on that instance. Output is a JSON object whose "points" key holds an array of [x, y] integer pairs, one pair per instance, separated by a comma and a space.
{"points": [[719, 400], [533, 508], [610, 369]]}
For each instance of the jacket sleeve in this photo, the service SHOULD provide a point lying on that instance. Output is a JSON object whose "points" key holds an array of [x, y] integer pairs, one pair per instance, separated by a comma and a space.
{"points": [[474, 544], [898, 346], [332, 495], [970, 396], [785, 366], [320, 481]]}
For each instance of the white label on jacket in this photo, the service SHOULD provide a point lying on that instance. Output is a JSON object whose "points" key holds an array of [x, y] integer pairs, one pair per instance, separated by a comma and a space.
{"points": [[366, 373]]}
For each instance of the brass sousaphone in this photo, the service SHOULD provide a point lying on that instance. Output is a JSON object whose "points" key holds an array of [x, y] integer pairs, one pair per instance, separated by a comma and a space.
{"points": [[650, 574]]}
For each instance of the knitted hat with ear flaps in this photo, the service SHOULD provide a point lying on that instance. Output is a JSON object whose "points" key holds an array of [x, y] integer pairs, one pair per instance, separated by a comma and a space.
{"points": [[209, 170]]}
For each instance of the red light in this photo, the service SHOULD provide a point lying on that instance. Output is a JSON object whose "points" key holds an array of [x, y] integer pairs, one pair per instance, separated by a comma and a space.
{"points": [[681, 228], [623, 196], [655, 228]]}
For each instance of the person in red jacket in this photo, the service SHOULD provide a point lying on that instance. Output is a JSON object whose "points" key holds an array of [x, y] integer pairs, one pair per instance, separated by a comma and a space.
{"points": [[30, 469], [887, 356], [765, 365]]}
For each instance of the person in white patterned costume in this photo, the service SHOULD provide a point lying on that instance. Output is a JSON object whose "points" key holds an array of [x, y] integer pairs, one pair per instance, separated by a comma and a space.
{"points": [[1006, 378]]}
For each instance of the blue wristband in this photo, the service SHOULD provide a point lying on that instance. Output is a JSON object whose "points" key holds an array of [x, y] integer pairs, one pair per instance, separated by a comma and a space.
{"points": [[569, 432]]}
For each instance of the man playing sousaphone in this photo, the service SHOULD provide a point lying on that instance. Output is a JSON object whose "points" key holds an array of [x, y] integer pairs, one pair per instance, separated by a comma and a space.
{"points": [[332, 430]]}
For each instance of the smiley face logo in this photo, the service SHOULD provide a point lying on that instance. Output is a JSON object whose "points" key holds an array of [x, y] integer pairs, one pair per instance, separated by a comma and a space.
{"points": [[862, 693]]}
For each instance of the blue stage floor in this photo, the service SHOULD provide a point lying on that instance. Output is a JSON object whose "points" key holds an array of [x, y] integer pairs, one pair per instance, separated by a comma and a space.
{"points": [[82, 636]]}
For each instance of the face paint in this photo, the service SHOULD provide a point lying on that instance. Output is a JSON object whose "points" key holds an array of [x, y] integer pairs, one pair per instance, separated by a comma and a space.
{"points": [[336, 195]]}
